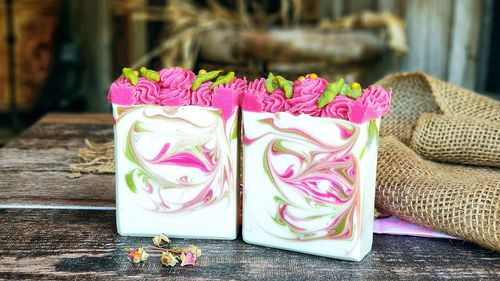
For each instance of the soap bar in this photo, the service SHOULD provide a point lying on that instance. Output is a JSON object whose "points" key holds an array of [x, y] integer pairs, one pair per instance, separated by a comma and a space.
{"points": [[309, 183], [176, 171]]}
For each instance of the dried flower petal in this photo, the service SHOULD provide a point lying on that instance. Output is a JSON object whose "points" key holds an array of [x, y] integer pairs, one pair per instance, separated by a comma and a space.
{"points": [[188, 258], [161, 239], [168, 259], [136, 255]]}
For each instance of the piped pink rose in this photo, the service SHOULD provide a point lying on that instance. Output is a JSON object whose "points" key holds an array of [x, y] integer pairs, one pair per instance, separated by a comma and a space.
{"points": [[305, 95], [202, 95], [146, 91], [338, 108], [175, 84]]}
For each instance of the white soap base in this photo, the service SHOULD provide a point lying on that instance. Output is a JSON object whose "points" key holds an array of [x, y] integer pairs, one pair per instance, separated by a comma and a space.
{"points": [[155, 206], [260, 205]]}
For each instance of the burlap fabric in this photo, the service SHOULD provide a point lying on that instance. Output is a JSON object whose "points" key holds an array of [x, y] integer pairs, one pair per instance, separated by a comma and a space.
{"points": [[465, 128], [441, 122]]}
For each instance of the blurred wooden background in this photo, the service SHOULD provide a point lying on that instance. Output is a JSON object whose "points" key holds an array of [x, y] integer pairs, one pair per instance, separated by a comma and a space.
{"points": [[449, 39]]}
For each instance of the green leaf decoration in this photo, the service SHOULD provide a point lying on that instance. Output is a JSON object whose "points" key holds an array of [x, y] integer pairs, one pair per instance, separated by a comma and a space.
{"points": [[150, 74], [130, 75], [270, 83], [286, 85], [129, 179], [204, 77], [223, 80], [344, 89], [331, 91]]}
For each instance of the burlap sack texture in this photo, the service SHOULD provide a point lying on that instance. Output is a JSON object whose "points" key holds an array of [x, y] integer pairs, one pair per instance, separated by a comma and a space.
{"points": [[441, 122], [464, 129]]}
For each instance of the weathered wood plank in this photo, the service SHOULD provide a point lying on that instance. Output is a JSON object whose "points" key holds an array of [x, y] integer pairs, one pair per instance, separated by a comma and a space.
{"points": [[428, 27], [34, 166], [463, 55], [77, 118], [65, 244]]}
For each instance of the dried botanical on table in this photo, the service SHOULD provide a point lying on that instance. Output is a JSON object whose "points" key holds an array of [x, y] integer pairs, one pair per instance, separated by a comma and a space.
{"points": [[169, 256]]}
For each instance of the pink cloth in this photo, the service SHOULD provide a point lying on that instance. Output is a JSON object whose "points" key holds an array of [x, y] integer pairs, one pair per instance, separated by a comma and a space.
{"points": [[396, 226]]}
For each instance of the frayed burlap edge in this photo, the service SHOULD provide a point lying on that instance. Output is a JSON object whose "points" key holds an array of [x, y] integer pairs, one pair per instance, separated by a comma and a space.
{"points": [[95, 158]]}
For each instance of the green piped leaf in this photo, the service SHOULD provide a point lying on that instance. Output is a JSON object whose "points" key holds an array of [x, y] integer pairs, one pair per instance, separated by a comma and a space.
{"points": [[201, 78], [150, 74], [223, 80], [331, 91], [286, 85], [130, 75], [344, 89], [129, 179], [270, 83]]}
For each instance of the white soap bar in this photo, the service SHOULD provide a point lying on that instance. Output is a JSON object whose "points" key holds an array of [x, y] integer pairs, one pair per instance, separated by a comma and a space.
{"points": [[176, 171], [309, 183]]}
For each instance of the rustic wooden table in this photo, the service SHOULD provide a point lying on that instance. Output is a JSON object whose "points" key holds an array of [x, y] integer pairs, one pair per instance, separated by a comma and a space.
{"points": [[52, 227]]}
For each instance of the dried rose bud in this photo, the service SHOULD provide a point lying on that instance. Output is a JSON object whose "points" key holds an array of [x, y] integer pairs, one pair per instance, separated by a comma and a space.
{"points": [[137, 255], [188, 258], [161, 239], [191, 248], [168, 259]]}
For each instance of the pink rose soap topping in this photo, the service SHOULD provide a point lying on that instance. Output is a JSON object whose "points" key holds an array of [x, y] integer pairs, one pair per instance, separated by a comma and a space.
{"points": [[311, 95], [178, 87], [314, 96]]}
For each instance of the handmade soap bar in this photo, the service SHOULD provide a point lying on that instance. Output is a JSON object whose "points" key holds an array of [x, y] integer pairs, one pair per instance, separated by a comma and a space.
{"points": [[176, 169], [309, 183]]}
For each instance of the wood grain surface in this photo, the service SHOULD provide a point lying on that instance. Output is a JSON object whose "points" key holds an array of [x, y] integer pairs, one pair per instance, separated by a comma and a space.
{"points": [[34, 166], [66, 244], [47, 231]]}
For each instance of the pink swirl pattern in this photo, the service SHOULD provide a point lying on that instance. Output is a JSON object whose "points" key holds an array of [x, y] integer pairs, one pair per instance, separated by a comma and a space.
{"points": [[305, 96], [325, 176], [203, 95], [200, 168], [146, 91], [175, 86]]}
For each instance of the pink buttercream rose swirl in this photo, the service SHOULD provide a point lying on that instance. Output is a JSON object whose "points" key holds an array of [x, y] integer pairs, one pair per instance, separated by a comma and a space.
{"points": [[175, 86], [146, 91], [275, 102], [203, 95], [338, 108], [305, 96]]}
